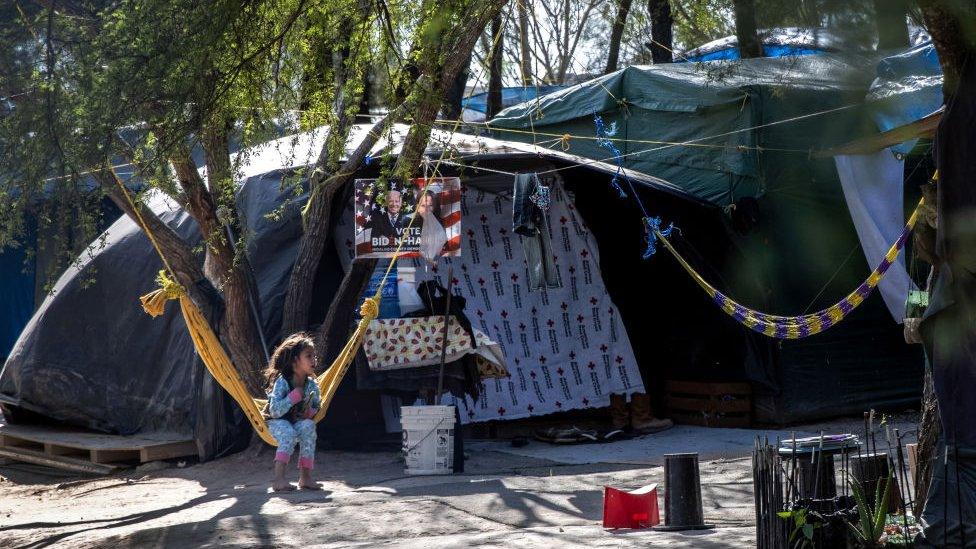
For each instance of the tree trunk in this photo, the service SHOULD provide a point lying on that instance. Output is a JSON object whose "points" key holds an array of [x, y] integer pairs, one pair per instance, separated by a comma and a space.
{"points": [[495, 68], [332, 335], [951, 24], [318, 226], [616, 35], [662, 24], [452, 106], [525, 56], [891, 20], [364, 102], [237, 327], [240, 341], [928, 436], [178, 252], [745, 29], [423, 103]]}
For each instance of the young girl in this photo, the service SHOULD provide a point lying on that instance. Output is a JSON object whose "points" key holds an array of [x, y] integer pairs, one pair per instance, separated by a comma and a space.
{"points": [[293, 400]]}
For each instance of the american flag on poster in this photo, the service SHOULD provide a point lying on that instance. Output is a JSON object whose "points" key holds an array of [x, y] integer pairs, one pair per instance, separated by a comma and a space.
{"points": [[419, 217]]}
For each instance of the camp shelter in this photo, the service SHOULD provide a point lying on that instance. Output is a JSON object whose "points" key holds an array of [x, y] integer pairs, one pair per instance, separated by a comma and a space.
{"points": [[742, 137], [25, 265], [776, 42], [91, 357]]}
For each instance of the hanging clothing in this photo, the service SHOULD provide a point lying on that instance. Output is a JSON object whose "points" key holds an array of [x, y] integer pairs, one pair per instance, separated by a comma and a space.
{"points": [[531, 223]]}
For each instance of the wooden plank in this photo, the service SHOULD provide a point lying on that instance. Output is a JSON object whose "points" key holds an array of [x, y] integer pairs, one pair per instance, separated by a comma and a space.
{"points": [[703, 389], [112, 456], [58, 450], [735, 419], [58, 462], [923, 127], [78, 438], [712, 405], [708, 389], [168, 451], [9, 441], [912, 459]]}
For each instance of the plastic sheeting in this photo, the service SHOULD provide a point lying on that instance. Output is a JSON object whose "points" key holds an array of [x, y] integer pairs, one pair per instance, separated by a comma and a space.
{"points": [[758, 119], [510, 96], [91, 356], [789, 41], [908, 87], [16, 295], [873, 189], [733, 113]]}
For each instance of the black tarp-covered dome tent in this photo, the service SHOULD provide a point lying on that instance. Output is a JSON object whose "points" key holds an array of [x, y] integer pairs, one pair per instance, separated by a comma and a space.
{"points": [[90, 356]]}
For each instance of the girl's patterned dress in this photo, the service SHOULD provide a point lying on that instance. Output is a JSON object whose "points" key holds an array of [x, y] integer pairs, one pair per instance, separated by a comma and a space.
{"points": [[290, 412]]}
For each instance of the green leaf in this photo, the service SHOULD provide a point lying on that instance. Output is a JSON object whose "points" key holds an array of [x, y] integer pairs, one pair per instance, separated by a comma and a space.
{"points": [[808, 531], [857, 533], [881, 509]]}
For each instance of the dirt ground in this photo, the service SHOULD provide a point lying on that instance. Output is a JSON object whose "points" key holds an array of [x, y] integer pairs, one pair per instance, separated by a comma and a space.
{"points": [[502, 500]]}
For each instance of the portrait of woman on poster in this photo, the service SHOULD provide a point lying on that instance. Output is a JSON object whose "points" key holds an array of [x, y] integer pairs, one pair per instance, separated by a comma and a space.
{"points": [[429, 221]]}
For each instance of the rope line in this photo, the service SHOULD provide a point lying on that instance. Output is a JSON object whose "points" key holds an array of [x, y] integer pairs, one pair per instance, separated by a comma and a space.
{"points": [[796, 327]]}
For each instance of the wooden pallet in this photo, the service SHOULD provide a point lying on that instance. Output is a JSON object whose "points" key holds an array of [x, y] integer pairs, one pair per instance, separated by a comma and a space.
{"points": [[709, 404], [87, 451]]}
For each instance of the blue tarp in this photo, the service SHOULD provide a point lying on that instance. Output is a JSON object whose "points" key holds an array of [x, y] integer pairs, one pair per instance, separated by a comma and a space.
{"points": [[16, 294], [908, 87], [778, 42], [510, 96], [769, 50]]}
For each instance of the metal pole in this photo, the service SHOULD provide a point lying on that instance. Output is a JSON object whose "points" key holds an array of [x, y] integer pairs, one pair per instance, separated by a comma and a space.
{"points": [[447, 325]]}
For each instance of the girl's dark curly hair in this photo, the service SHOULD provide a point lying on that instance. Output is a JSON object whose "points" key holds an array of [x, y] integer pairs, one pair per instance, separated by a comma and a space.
{"points": [[283, 358]]}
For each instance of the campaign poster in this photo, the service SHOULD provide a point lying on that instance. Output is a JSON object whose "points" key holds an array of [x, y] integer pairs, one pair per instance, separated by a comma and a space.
{"points": [[415, 218]]}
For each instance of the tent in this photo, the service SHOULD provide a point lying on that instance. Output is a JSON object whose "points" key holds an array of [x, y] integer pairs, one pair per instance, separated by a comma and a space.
{"points": [[91, 357], [742, 137], [779, 42], [475, 106], [23, 269]]}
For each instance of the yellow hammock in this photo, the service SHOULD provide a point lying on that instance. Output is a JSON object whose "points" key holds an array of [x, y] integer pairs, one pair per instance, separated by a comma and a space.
{"points": [[212, 352], [222, 369]]}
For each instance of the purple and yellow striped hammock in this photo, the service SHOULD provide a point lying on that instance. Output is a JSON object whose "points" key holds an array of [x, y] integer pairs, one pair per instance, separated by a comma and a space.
{"points": [[796, 327]]}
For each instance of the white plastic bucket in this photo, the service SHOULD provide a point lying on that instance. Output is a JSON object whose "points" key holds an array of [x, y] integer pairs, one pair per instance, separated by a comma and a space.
{"points": [[428, 439]]}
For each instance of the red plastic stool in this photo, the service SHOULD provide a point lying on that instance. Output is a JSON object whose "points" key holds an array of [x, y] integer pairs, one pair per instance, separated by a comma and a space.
{"points": [[634, 509]]}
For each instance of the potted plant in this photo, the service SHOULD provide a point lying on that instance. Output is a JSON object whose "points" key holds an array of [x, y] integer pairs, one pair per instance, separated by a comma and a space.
{"points": [[871, 518]]}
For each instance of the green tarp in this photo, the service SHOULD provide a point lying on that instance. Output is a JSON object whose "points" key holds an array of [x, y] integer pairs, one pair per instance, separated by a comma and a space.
{"points": [[713, 107]]}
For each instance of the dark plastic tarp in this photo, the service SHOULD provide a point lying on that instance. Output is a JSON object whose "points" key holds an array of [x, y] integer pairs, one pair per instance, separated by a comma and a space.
{"points": [[90, 356]]}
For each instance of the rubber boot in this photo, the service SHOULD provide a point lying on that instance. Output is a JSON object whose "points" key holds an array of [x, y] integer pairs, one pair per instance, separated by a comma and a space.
{"points": [[619, 414], [641, 419]]}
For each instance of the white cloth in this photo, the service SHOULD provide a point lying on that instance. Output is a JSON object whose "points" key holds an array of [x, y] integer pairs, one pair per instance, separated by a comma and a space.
{"points": [[873, 187], [432, 238]]}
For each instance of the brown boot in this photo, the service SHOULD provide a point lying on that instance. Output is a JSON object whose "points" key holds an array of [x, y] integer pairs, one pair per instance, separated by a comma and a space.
{"points": [[642, 420], [619, 414]]}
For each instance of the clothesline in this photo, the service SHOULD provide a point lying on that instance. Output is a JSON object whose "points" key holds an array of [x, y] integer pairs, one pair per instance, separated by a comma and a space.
{"points": [[663, 145]]}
